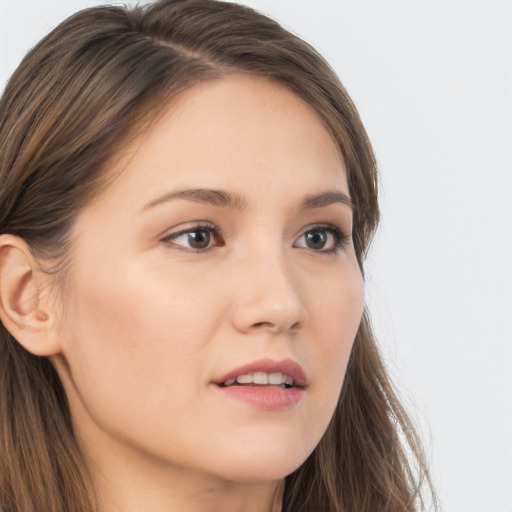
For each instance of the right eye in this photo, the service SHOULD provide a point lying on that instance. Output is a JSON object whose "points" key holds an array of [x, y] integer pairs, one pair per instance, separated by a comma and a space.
{"points": [[195, 239]]}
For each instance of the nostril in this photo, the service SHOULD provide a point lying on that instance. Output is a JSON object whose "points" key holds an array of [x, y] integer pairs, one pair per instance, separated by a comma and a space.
{"points": [[262, 324], [274, 326]]}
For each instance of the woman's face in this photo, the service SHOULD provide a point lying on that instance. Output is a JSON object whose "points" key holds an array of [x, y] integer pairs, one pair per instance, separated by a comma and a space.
{"points": [[222, 249]]}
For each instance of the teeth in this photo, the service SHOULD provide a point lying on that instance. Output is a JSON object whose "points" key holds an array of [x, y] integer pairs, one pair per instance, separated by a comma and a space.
{"points": [[261, 378], [276, 378]]}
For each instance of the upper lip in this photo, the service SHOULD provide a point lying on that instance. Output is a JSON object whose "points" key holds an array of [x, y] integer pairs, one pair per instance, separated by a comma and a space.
{"points": [[284, 366]]}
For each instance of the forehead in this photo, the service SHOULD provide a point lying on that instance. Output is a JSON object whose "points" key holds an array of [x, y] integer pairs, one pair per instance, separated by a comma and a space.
{"points": [[239, 131]]}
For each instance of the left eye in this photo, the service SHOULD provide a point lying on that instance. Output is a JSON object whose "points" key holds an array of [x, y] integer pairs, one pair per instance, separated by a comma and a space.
{"points": [[322, 239], [199, 238]]}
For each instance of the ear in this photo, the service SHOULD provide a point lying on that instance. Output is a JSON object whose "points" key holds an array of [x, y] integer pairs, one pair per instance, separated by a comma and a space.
{"points": [[24, 311]]}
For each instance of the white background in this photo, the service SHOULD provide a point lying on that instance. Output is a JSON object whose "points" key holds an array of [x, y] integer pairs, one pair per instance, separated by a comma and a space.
{"points": [[433, 83]]}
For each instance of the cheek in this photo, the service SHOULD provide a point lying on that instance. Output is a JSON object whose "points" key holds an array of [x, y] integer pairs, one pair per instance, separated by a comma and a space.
{"points": [[336, 308], [130, 342], [335, 317]]}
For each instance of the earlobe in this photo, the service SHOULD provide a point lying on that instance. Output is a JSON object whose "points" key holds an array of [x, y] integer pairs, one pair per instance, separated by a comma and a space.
{"points": [[23, 311]]}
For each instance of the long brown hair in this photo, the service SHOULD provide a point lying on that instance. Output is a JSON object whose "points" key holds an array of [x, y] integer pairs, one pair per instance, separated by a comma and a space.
{"points": [[95, 80]]}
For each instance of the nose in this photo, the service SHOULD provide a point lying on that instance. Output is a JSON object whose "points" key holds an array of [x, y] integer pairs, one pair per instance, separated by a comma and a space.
{"points": [[268, 296]]}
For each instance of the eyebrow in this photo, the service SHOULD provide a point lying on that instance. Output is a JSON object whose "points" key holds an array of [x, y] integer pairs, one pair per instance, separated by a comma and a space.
{"points": [[206, 196], [232, 201], [325, 199]]}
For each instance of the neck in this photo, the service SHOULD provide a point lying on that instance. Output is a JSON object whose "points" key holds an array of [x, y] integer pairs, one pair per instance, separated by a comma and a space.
{"points": [[125, 482], [184, 492]]}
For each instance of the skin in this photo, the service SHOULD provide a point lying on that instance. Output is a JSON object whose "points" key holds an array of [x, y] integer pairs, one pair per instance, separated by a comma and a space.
{"points": [[149, 322]]}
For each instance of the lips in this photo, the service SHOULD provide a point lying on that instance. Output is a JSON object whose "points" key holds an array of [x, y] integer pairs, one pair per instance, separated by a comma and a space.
{"points": [[255, 373], [256, 385]]}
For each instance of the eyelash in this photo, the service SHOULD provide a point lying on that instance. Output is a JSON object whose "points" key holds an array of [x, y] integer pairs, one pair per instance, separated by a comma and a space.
{"points": [[210, 228], [340, 238]]}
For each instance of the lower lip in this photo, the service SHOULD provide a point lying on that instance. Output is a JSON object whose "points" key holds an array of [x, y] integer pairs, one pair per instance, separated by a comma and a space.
{"points": [[265, 398]]}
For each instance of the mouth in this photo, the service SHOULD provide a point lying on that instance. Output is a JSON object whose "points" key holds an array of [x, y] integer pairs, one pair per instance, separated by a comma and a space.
{"points": [[284, 374], [261, 379], [265, 384]]}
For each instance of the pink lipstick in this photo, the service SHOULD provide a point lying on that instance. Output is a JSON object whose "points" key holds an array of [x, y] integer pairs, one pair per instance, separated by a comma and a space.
{"points": [[265, 384]]}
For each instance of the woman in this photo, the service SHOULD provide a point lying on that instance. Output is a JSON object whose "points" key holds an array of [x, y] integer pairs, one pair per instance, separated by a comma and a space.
{"points": [[188, 195]]}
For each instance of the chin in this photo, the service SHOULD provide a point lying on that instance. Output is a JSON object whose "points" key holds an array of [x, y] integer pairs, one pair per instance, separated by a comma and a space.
{"points": [[262, 465], [258, 473]]}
